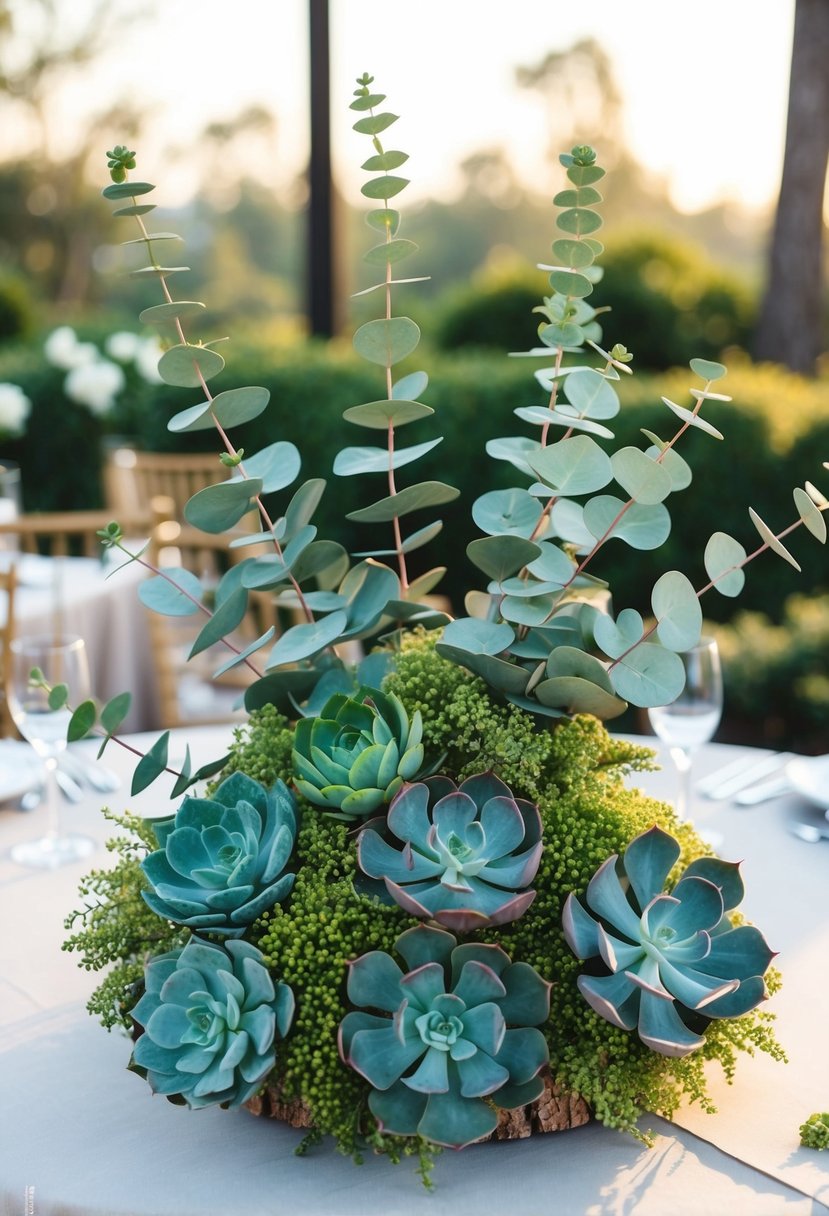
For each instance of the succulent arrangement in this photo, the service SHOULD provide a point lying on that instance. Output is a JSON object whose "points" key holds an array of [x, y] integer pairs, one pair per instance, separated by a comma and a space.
{"points": [[451, 798]]}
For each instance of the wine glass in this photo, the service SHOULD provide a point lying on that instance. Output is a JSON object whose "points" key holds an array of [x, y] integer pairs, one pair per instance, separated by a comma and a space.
{"points": [[62, 660], [694, 716]]}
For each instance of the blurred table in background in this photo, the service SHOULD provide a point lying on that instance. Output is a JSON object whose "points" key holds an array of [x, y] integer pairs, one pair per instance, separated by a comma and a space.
{"points": [[81, 595]]}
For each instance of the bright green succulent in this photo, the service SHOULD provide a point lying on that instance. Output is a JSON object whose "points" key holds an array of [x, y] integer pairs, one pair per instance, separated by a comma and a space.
{"points": [[211, 1016], [222, 859], [444, 1045], [468, 852], [665, 963], [355, 756]]}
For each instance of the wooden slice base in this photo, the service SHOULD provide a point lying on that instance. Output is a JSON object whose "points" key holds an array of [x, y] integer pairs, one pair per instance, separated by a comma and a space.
{"points": [[554, 1111]]}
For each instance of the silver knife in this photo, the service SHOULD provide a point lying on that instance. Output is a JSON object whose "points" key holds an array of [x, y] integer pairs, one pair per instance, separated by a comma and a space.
{"points": [[755, 768]]}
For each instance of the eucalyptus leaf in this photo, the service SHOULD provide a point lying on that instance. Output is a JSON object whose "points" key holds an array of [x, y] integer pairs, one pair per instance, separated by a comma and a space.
{"points": [[644, 480], [583, 196], [166, 314], [640, 526], [237, 659], [771, 540], [409, 388], [499, 674], [187, 366], [552, 564], [501, 556], [229, 409], [386, 341], [304, 641], [153, 236], [677, 610], [218, 507], [809, 513], [385, 161], [302, 506], [527, 610], [367, 589], [390, 252], [676, 466], [479, 637], [723, 559], [384, 219], [373, 124], [692, 419], [115, 710], [507, 512], [515, 450], [576, 254], [573, 466], [151, 765], [351, 461], [560, 333], [591, 394], [540, 415], [616, 637], [223, 621], [570, 283], [567, 520], [648, 676], [177, 592], [413, 498], [137, 209], [579, 221], [579, 696], [706, 369], [275, 466], [384, 187], [127, 189], [323, 559], [377, 415], [81, 721]]}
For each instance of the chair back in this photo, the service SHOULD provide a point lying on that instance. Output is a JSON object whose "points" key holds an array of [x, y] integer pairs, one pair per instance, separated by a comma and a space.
{"points": [[133, 478], [65, 533]]}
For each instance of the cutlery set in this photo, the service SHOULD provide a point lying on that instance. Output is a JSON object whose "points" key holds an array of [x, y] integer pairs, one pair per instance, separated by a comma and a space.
{"points": [[749, 782], [74, 776]]}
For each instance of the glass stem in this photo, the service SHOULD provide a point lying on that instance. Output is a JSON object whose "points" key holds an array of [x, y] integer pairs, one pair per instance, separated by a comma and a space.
{"points": [[52, 799], [682, 762]]}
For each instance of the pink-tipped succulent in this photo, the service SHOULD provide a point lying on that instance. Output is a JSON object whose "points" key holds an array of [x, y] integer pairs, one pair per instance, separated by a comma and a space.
{"points": [[466, 855]]}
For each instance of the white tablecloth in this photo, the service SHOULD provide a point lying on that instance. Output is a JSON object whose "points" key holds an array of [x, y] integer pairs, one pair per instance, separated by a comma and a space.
{"points": [[90, 1140], [74, 595]]}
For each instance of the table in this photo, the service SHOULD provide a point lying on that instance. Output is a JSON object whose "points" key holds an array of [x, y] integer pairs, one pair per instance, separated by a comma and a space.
{"points": [[89, 1139], [74, 595]]}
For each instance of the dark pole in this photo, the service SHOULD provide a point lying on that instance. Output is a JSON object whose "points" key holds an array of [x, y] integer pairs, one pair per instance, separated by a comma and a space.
{"points": [[320, 263]]}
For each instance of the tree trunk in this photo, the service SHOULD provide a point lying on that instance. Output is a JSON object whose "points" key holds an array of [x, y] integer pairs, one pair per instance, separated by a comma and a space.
{"points": [[790, 327]]}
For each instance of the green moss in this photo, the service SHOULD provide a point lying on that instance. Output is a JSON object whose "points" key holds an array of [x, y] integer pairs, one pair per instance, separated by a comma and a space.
{"points": [[117, 928], [814, 1133]]}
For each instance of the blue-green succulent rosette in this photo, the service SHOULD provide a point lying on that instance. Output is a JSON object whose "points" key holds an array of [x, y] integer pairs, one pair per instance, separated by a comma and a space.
{"points": [[665, 963], [222, 859], [353, 758], [468, 852], [459, 1034], [211, 1016]]}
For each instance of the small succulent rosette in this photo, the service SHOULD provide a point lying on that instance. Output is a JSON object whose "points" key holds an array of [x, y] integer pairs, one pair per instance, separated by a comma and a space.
{"points": [[355, 756], [468, 852], [665, 963], [459, 1028], [211, 1016], [222, 859]]}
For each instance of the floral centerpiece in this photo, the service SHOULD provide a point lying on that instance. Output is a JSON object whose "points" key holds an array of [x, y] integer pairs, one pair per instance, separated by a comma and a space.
{"points": [[416, 905]]}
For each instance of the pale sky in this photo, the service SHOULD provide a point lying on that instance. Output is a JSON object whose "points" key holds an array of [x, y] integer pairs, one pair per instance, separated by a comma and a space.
{"points": [[705, 83]]}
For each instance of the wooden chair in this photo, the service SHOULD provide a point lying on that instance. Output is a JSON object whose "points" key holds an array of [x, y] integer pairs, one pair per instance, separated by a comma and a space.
{"points": [[132, 479], [8, 581], [65, 533]]}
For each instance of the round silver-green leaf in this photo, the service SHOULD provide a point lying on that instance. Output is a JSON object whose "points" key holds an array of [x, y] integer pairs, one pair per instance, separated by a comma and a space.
{"points": [[351, 461], [811, 516], [648, 676], [376, 415], [590, 394], [723, 559], [645, 481], [187, 366], [641, 527], [573, 466], [677, 609], [507, 512], [386, 341], [706, 369], [413, 498], [501, 556], [216, 508], [304, 641]]}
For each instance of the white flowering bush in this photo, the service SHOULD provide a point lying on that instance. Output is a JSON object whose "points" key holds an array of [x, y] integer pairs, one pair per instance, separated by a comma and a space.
{"points": [[15, 407], [94, 380]]}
